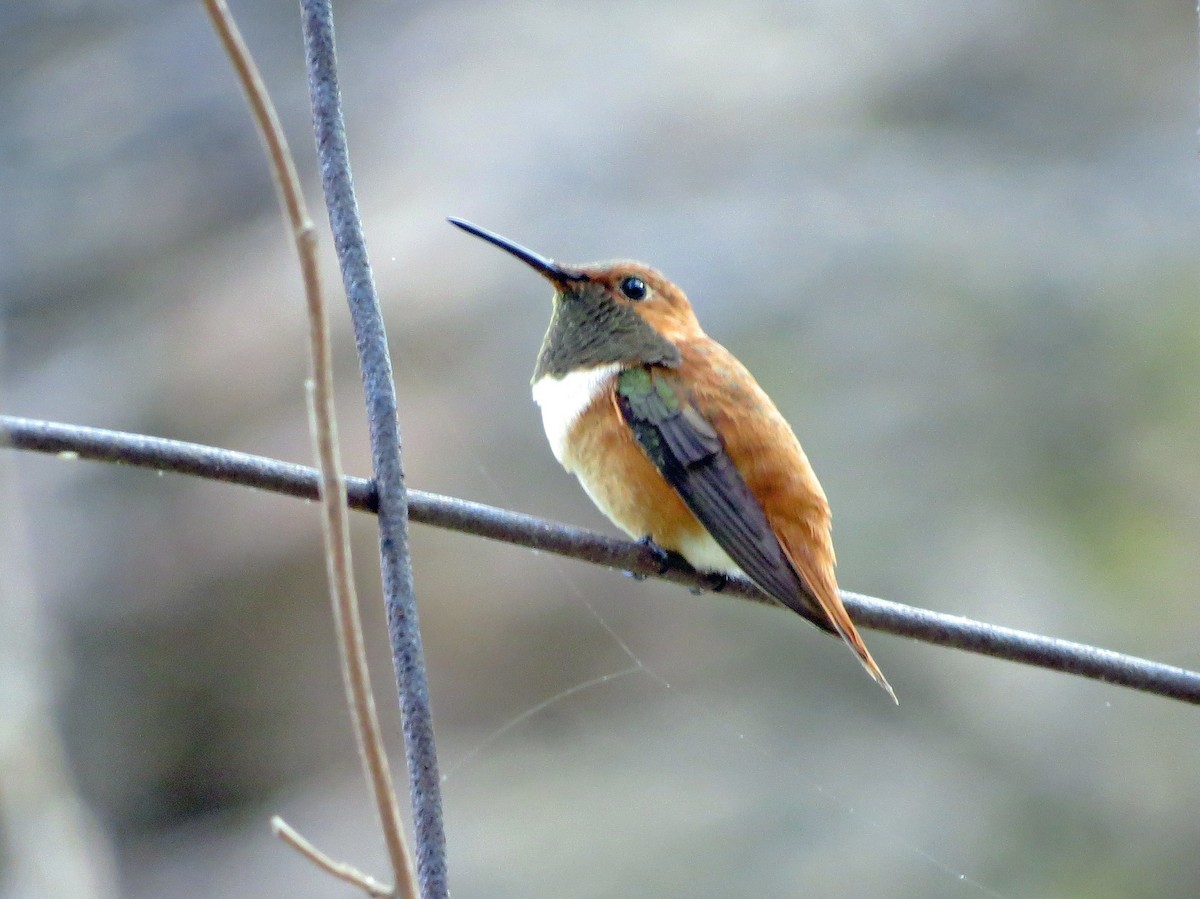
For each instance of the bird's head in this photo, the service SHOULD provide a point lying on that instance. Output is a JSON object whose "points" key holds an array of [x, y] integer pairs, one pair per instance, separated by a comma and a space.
{"points": [[608, 312]]}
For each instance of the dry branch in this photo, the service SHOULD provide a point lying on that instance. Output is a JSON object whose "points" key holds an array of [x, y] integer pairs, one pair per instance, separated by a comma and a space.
{"points": [[335, 520]]}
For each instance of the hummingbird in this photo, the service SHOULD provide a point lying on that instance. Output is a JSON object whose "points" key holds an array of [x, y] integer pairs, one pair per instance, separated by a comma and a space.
{"points": [[675, 442]]}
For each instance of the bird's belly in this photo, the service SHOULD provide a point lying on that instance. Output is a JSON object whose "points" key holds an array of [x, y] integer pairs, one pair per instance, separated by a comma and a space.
{"points": [[601, 451], [644, 509], [705, 554]]}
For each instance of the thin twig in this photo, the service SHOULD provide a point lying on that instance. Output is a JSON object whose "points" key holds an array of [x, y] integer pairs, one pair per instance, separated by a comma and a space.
{"points": [[336, 515], [76, 442], [340, 870], [375, 364]]}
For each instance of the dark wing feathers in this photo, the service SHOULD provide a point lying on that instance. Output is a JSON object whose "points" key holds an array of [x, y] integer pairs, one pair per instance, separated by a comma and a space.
{"points": [[691, 456]]}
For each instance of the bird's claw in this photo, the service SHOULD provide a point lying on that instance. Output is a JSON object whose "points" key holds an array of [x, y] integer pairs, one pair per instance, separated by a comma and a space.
{"points": [[711, 582], [657, 554]]}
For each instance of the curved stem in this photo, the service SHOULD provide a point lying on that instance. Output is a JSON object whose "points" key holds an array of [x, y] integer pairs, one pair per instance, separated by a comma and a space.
{"points": [[335, 519]]}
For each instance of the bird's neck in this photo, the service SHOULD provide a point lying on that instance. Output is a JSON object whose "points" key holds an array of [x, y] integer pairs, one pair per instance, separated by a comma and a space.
{"points": [[583, 335]]}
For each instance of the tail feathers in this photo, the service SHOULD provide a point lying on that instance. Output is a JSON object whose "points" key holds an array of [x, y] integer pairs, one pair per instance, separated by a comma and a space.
{"points": [[822, 588], [849, 633]]}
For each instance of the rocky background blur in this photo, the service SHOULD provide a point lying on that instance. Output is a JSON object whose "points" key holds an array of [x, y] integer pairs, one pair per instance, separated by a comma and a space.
{"points": [[955, 241]]}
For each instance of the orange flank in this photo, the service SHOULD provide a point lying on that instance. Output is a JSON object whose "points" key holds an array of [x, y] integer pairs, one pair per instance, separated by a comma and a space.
{"points": [[633, 494]]}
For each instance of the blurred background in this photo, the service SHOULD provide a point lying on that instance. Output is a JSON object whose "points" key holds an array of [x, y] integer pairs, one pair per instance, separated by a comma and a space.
{"points": [[956, 242]]}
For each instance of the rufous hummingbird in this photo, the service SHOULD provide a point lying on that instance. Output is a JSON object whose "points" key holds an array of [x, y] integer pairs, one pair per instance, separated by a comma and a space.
{"points": [[674, 441]]}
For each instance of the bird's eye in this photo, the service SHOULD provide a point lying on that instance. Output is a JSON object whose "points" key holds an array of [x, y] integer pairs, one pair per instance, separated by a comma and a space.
{"points": [[634, 288]]}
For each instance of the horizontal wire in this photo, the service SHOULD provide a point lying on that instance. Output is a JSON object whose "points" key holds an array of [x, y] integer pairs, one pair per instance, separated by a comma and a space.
{"points": [[519, 529]]}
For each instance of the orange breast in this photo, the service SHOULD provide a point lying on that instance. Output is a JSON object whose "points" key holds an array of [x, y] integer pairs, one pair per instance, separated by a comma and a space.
{"points": [[622, 481]]}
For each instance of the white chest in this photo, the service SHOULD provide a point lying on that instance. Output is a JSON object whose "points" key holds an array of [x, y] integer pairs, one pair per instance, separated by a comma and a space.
{"points": [[563, 399]]}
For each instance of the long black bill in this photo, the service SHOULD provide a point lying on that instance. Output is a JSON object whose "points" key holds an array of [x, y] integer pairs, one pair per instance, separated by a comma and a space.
{"points": [[547, 267]]}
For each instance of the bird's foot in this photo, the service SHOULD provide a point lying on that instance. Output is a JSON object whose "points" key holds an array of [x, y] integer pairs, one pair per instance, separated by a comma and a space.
{"points": [[713, 582], [664, 559]]}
